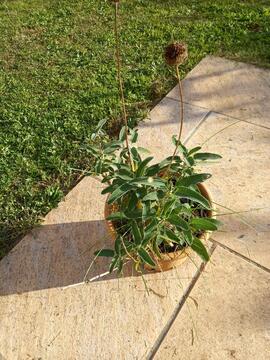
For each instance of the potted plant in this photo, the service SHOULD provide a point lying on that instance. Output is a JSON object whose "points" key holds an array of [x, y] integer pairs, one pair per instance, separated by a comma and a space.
{"points": [[157, 213]]}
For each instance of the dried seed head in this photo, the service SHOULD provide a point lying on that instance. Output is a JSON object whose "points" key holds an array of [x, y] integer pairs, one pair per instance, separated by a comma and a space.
{"points": [[114, 1], [176, 53]]}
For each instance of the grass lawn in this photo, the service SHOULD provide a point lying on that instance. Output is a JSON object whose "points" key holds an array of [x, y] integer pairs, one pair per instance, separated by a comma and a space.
{"points": [[57, 80]]}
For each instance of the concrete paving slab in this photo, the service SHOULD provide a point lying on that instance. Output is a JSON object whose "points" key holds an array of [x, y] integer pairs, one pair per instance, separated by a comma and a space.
{"points": [[113, 319], [226, 317], [59, 253], [44, 314], [232, 88], [156, 132], [240, 182]]}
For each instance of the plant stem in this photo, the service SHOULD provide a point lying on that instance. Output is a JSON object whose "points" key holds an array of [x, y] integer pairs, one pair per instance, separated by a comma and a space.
{"points": [[181, 116], [181, 109], [241, 212], [218, 132], [120, 82], [237, 214]]}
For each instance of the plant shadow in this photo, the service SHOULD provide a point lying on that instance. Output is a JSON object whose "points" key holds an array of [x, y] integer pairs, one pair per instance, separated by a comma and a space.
{"points": [[57, 255]]}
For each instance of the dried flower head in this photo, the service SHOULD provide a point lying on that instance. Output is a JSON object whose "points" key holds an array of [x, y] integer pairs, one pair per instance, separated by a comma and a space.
{"points": [[176, 53], [114, 1]]}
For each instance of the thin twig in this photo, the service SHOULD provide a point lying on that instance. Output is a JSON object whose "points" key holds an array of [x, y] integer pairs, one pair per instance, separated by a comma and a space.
{"points": [[237, 215], [120, 82], [216, 133], [241, 212], [181, 109], [181, 117]]}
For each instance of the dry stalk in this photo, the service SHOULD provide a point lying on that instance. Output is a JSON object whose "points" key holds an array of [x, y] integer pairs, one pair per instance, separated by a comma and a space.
{"points": [[120, 82], [181, 109], [181, 117]]}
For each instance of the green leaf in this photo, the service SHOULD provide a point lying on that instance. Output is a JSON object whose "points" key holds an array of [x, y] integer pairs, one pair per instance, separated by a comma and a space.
{"points": [[136, 233], [118, 245], [153, 170], [93, 151], [106, 179], [146, 211], [150, 231], [151, 226], [164, 163], [183, 149], [133, 213], [101, 123], [143, 150], [149, 181], [205, 224], [123, 171], [104, 252], [142, 165], [111, 149], [113, 264], [116, 216], [120, 265], [122, 134], [136, 156], [124, 168], [156, 249], [188, 237], [98, 167], [193, 196], [194, 150], [193, 179], [167, 160], [161, 193], [113, 167], [178, 221], [115, 143], [145, 257], [174, 140], [123, 177], [108, 189], [168, 206], [200, 249], [152, 196], [134, 136], [119, 192], [171, 235], [190, 161], [133, 200], [93, 136], [206, 156]]}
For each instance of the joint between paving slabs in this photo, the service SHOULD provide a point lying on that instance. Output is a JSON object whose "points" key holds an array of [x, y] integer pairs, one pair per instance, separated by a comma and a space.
{"points": [[178, 307], [243, 257], [194, 130], [221, 113]]}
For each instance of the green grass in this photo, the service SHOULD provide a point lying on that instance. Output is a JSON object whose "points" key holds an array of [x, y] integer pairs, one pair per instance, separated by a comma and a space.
{"points": [[57, 80]]}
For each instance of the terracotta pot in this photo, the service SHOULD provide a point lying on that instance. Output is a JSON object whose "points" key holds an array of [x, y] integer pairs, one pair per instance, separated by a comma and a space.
{"points": [[172, 259]]}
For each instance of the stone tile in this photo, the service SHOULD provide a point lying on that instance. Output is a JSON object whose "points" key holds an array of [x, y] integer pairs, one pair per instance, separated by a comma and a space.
{"points": [[44, 314], [230, 87], [156, 132], [240, 182], [113, 319], [254, 246], [46, 264], [59, 252], [232, 316]]}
